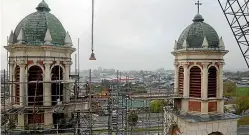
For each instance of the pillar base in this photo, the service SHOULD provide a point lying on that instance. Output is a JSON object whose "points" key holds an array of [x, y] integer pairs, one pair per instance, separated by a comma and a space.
{"points": [[48, 119], [20, 121]]}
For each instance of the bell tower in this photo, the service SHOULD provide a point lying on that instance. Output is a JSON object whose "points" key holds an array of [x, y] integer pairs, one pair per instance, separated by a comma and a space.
{"points": [[198, 82]]}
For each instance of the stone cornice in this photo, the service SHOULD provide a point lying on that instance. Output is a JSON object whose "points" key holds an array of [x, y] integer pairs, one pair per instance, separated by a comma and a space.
{"points": [[21, 47], [198, 51]]}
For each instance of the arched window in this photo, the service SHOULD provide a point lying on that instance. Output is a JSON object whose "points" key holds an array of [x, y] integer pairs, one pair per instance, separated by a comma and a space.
{"points": [[212, 82], [57, 91], [35, 89], [17, 86], [180, 79], [195, 82], [56, 87]]}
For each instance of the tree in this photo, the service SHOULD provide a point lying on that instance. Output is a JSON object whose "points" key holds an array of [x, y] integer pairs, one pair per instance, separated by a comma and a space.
{"points": [[156, 106], [242, 105], [105, 83], [132, 119], [229, 88]]}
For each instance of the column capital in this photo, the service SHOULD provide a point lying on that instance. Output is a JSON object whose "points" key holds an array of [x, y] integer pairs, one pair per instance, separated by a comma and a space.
{"points": [[185, 64], [67, 62], [204, 64], [221, 63], [11, 62], [21, 62], [47, 62], [57, 62]]}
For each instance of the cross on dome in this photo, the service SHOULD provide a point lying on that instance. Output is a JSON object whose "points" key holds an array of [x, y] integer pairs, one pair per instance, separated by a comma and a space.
{"points": [[198, 6]]}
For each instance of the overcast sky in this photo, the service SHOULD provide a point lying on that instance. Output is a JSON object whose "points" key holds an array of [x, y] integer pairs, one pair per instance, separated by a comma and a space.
{"points": [[128, 34]]}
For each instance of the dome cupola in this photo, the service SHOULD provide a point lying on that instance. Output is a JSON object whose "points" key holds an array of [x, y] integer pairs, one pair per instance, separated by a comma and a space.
{"points": [[199, 35], [40, 28]]}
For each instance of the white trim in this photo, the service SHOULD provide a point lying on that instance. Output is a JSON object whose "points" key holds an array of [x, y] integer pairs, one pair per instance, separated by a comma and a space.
{"points": [[58, 64], [35, 64]]}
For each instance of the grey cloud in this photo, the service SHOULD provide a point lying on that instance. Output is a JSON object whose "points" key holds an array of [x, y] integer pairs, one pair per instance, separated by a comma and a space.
{"points": [[128, 34]]}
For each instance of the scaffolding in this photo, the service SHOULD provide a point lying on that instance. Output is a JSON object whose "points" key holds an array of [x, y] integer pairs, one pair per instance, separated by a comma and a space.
{"points": [[82, 113]]}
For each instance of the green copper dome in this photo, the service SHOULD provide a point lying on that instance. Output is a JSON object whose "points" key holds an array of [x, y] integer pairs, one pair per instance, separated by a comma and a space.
{"points": [[40, 26], [195, 34]]}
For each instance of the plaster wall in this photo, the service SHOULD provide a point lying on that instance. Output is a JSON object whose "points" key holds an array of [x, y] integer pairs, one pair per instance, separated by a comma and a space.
{"points": [[226, 127]]}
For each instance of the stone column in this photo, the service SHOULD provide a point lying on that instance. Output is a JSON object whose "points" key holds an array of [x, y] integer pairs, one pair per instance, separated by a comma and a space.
{"points": [[48, 119], [220, 106], [21, 121], [204, 92], [11, 77], [47, 85], [67, 90], [186, 80], [26, 85], [22, 83], [220, 80], [176, 78], [185, 87]]}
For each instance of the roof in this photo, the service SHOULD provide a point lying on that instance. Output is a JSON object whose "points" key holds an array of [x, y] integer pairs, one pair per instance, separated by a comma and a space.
{"points": [[206, 118], [39, 28], [198, 35]]}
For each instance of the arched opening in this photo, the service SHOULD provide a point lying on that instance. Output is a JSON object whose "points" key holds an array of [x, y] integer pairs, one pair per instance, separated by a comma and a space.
{"points": [[195, 82], [57, 91], [35, 89], [212, 81], [215, 133], [180, 79], [56, 86], [17, 86]]}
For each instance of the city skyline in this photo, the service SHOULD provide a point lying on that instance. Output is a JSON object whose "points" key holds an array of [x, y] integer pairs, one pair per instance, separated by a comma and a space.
{"points": [[128, 35]]}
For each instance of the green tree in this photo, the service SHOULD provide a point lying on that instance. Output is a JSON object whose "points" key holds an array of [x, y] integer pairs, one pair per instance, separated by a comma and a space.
{"points": [[132, 119], [105, 83], [156, 106], [242, 104], [229, 88]]}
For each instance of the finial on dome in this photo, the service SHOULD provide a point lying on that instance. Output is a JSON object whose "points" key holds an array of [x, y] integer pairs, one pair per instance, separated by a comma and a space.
{"points": [[11, 38], [20, 37], [198, 18], [43, 6], [48, 37], [175, 47], [221, 43], [68, 40], [205, 43], [185, 44], [198, 6]]}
